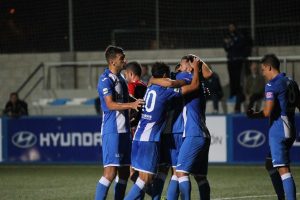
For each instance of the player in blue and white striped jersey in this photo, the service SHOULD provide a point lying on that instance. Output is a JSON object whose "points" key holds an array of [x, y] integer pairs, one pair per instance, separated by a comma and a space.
{"points": [[145, 147], [282, 97], [115, 130]]}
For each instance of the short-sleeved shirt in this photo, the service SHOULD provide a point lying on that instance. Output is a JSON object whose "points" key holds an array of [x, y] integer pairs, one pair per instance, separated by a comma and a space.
{"points": [[194, 112], [153, 118], [285, 93], [113, 121]]}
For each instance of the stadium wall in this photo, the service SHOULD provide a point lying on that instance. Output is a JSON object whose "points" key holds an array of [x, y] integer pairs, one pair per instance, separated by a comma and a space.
{"points": [[15, 68], [234, 139]]}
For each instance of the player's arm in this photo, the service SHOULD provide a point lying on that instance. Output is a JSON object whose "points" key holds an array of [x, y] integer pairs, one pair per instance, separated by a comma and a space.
{"points": [[266, 112], [196, 64], [206, 71], [112, 105], [167, 82]]}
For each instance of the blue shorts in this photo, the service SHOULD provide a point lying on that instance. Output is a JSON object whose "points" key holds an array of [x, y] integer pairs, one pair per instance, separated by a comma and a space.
{"points": [[280, 145], [145, 156], [170, 146], [193, 156], [116, 149]]}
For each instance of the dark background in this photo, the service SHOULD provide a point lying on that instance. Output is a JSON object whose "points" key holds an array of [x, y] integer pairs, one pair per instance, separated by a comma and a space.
{"points": [[43, 26]]}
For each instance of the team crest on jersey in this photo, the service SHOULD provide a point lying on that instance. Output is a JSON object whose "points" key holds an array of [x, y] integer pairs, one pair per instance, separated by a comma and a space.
{"points": [[176, 89], [269, 95], [105, 90]]}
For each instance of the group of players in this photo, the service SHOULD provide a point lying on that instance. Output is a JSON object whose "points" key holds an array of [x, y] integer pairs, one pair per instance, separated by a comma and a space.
{"points": [[170, 131]]}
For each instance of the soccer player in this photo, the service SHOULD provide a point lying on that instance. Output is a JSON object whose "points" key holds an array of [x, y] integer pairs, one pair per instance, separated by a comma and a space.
{"points": [[281, 99], [145, 147], [136, 89], [116, 137], [193, 155]]}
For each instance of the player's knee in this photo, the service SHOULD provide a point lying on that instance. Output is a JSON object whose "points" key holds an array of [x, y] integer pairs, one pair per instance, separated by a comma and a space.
{"points": [[147, 178], [268, 164], [110, 173]]}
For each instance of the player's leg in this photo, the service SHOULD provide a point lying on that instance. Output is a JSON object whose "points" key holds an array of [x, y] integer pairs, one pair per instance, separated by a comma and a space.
{"points": [[173, 188], [158, 182], [102, 187], [275, 178], [187, 163], [201, 176], [123, 170], [121, 182], [280, 158], [110, 162], [288, 182], [145, 157]]}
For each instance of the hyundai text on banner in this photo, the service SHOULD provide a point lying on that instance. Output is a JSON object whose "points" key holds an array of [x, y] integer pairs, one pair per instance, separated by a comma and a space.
{"points": [[54, 139]]}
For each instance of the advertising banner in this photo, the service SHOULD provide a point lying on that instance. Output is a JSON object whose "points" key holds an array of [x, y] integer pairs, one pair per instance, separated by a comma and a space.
{"points": [[249, 140], [54, 139], [218, 147]]}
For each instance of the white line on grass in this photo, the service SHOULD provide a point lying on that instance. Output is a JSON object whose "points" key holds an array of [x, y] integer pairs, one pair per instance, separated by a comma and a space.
{"points": [[245, 197]]}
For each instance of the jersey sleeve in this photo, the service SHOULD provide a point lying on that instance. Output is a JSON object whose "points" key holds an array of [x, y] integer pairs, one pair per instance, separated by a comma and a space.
{"points": [[105, 86], [269, 92], [184, 76], [174, 92]]}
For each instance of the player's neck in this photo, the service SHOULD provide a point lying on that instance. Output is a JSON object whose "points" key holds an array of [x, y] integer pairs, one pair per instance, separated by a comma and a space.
{"points": [[274, 74], [113, 69]]}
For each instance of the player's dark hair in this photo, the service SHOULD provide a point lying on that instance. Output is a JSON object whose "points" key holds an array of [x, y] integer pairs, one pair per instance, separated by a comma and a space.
{"points": [[159, 69], [111, 52], [189, 57], [272, 60], [14, 94], [135, 67]]}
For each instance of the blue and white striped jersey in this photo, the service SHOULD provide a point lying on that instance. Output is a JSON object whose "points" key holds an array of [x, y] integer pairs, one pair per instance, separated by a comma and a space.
{"points": [[153, 118], [113, 121], [194, 112]]}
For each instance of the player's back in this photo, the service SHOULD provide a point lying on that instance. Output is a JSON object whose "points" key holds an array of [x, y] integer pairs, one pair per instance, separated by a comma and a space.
{"points": [[154, 112], [285, 93]]}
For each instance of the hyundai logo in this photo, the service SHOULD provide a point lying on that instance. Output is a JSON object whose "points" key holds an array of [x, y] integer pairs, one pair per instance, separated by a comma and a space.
{"points": [[251, 138], [24, 139]]}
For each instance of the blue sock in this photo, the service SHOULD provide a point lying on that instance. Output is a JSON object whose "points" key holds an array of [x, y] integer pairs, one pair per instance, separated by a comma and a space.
{"points": [[120, 188], [102, 188], [173, 189], [277, 183], [204, 189], [136, 191], [185, 187], [289, 186], [158, 185]]}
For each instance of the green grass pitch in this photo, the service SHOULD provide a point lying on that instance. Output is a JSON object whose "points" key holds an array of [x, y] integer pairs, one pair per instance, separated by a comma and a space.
{"points": [[77, 182]]}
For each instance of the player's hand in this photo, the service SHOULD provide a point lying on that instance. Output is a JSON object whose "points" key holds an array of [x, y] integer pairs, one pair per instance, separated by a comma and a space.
{"points": [[196, 63], [250, 113], [137, 104]]}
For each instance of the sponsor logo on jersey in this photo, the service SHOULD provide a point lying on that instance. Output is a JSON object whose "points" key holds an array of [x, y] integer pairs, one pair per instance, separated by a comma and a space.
{"points": [[269, 95], [24, 139], [251, 138], [105, 90]]}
